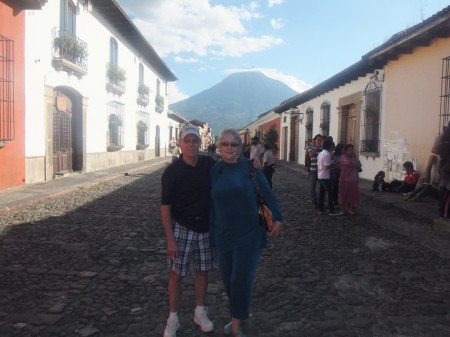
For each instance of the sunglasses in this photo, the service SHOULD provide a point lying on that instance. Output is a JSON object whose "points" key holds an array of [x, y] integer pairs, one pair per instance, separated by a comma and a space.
{"points": [[191, 140], [226, 144]]}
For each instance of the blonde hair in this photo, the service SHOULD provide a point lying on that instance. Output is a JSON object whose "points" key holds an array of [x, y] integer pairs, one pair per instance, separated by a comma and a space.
{"points": [[230, 132]]}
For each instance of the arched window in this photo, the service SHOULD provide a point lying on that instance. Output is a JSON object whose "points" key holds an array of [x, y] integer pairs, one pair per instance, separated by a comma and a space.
{"points": [[370, 141], [325, 119]]}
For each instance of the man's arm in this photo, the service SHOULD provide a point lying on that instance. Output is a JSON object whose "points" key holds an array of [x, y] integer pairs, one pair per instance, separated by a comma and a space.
{"points": [[166, 217]]}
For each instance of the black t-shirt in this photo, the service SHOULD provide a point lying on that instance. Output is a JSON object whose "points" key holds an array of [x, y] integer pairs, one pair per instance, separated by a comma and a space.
{"points": [[187, 190]]}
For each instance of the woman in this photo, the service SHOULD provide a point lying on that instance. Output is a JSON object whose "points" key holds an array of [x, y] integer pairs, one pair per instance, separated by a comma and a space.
{"points": [[236, 231], [349, 179]]}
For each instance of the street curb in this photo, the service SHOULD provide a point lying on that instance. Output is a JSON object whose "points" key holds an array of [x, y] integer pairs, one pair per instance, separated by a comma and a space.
{"points": [[81, 186]]}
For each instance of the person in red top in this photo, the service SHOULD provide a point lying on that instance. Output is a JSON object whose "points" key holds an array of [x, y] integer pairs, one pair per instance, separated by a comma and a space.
{"points": [[408, 184]]}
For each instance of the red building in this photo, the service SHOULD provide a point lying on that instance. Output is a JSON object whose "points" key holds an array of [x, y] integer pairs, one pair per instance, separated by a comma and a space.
{"points": [[12, 95]]}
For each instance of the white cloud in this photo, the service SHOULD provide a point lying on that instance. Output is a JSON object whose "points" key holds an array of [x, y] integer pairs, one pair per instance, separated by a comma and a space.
{"points": [[198, 28], [179, 59], [174, 94], [272, 3], [291, 81], [277, 23]]}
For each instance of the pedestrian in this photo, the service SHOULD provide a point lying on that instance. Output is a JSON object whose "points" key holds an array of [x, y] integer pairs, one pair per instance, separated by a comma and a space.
{"points": [[236, 230], [256, 152], [349, 180], [268, 163], [313, 151], [175, 152], [324, 178], [185, 208]]}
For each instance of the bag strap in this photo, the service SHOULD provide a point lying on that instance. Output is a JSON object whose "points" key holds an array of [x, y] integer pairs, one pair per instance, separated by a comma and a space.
{"points": [[259, 198]]}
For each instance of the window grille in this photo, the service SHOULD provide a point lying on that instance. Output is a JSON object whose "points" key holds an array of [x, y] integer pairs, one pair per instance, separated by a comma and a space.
{"points": [[371, 128], [445, 93], [115, 123], [142, 128], [325, 119], [7, 124], [309, 124]]}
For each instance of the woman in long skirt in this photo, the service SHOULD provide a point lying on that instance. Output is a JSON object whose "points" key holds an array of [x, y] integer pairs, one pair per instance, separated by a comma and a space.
{"points": [[349, 180]]}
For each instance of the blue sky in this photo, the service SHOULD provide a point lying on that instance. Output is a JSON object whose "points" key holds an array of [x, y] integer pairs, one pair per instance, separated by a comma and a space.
{"points": [[299, 42]]}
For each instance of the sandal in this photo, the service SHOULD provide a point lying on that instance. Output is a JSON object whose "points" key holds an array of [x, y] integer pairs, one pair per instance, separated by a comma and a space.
{"points": [[227, 331]]}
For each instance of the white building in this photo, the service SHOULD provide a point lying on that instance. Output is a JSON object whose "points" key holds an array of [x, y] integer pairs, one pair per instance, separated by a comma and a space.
{"points": [[96, 90]]}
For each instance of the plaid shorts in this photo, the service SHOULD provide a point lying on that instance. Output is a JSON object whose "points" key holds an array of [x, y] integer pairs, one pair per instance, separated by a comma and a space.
{"points": [[191, 246]]}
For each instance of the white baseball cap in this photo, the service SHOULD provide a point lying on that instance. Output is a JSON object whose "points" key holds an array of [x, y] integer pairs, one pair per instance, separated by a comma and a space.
{"points": [[189, 129]]}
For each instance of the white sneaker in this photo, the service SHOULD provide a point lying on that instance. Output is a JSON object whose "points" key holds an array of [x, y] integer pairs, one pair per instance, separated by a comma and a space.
{"points": [[201, 318], [171, 328]]}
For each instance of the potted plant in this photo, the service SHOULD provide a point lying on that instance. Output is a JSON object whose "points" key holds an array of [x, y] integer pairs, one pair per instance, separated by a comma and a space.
{"points": [[159, 100], [325, 125], [115, 74], [142, 126], [143, 89]]}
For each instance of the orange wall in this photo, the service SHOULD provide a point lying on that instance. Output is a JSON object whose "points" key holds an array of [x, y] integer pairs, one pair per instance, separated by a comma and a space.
{"points": [[265, 127], [12, 156]]}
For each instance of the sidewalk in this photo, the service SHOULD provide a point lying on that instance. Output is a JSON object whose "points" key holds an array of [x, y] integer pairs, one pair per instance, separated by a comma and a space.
{"points": [[18, 197], [425, 210]]}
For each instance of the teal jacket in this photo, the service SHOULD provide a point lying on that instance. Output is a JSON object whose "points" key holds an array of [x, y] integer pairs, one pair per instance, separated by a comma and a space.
{"points": [[234, 211]]}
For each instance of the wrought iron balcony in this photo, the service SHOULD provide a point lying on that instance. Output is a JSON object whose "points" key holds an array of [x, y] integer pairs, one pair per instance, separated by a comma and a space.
{"points": [[69, 52]]}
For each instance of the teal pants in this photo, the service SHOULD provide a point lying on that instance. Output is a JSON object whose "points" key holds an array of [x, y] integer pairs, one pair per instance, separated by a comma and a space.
{"points": [[238, 266]]}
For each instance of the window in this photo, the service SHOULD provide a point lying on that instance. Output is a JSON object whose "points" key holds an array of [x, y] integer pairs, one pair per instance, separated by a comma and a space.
{"points": [[159, 99], [113, 52], [68, 15], [115, 125], [325, 119], [309, 123], [142, 129], [141, 74], [371, 128], [7, 127], [445, 93]]}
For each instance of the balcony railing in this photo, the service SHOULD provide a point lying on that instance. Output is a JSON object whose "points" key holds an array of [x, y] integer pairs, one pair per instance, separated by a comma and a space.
{"points": [[370, 145], [69, 52]]}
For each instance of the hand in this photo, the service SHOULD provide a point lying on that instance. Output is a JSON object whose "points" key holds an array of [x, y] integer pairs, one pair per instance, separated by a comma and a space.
{"points": [[172, 248], [276, 230]]}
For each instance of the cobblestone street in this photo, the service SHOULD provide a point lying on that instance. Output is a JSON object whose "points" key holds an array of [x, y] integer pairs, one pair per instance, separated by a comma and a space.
{"points": [[92, 263]]}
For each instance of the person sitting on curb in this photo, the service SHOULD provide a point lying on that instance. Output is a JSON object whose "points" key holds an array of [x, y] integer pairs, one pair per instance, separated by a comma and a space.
{"points": [[408, 184]]}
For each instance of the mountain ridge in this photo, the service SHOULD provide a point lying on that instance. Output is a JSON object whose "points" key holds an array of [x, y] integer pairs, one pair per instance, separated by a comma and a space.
{"points": [[235, 101]]}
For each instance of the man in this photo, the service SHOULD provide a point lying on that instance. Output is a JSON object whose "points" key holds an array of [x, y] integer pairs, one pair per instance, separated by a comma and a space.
{"points": [[324, 177], [268, 163], [185, 205], [313, 151], [256, 152]]}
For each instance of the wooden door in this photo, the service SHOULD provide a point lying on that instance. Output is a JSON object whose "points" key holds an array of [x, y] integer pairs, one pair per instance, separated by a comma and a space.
{"points": [[285, 142], [350, 136], [62, 134]]}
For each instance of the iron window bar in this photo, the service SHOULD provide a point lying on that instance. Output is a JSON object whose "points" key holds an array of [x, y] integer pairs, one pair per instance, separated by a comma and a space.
{"points": [[7, 118]]}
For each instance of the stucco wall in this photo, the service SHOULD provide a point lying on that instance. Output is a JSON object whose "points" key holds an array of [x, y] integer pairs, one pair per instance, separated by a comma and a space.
{"points": [[411, 106], [12, 156]]}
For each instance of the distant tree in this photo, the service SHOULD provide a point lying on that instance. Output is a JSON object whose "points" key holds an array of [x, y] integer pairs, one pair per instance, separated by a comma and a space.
{"points": [[271, 137]]}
